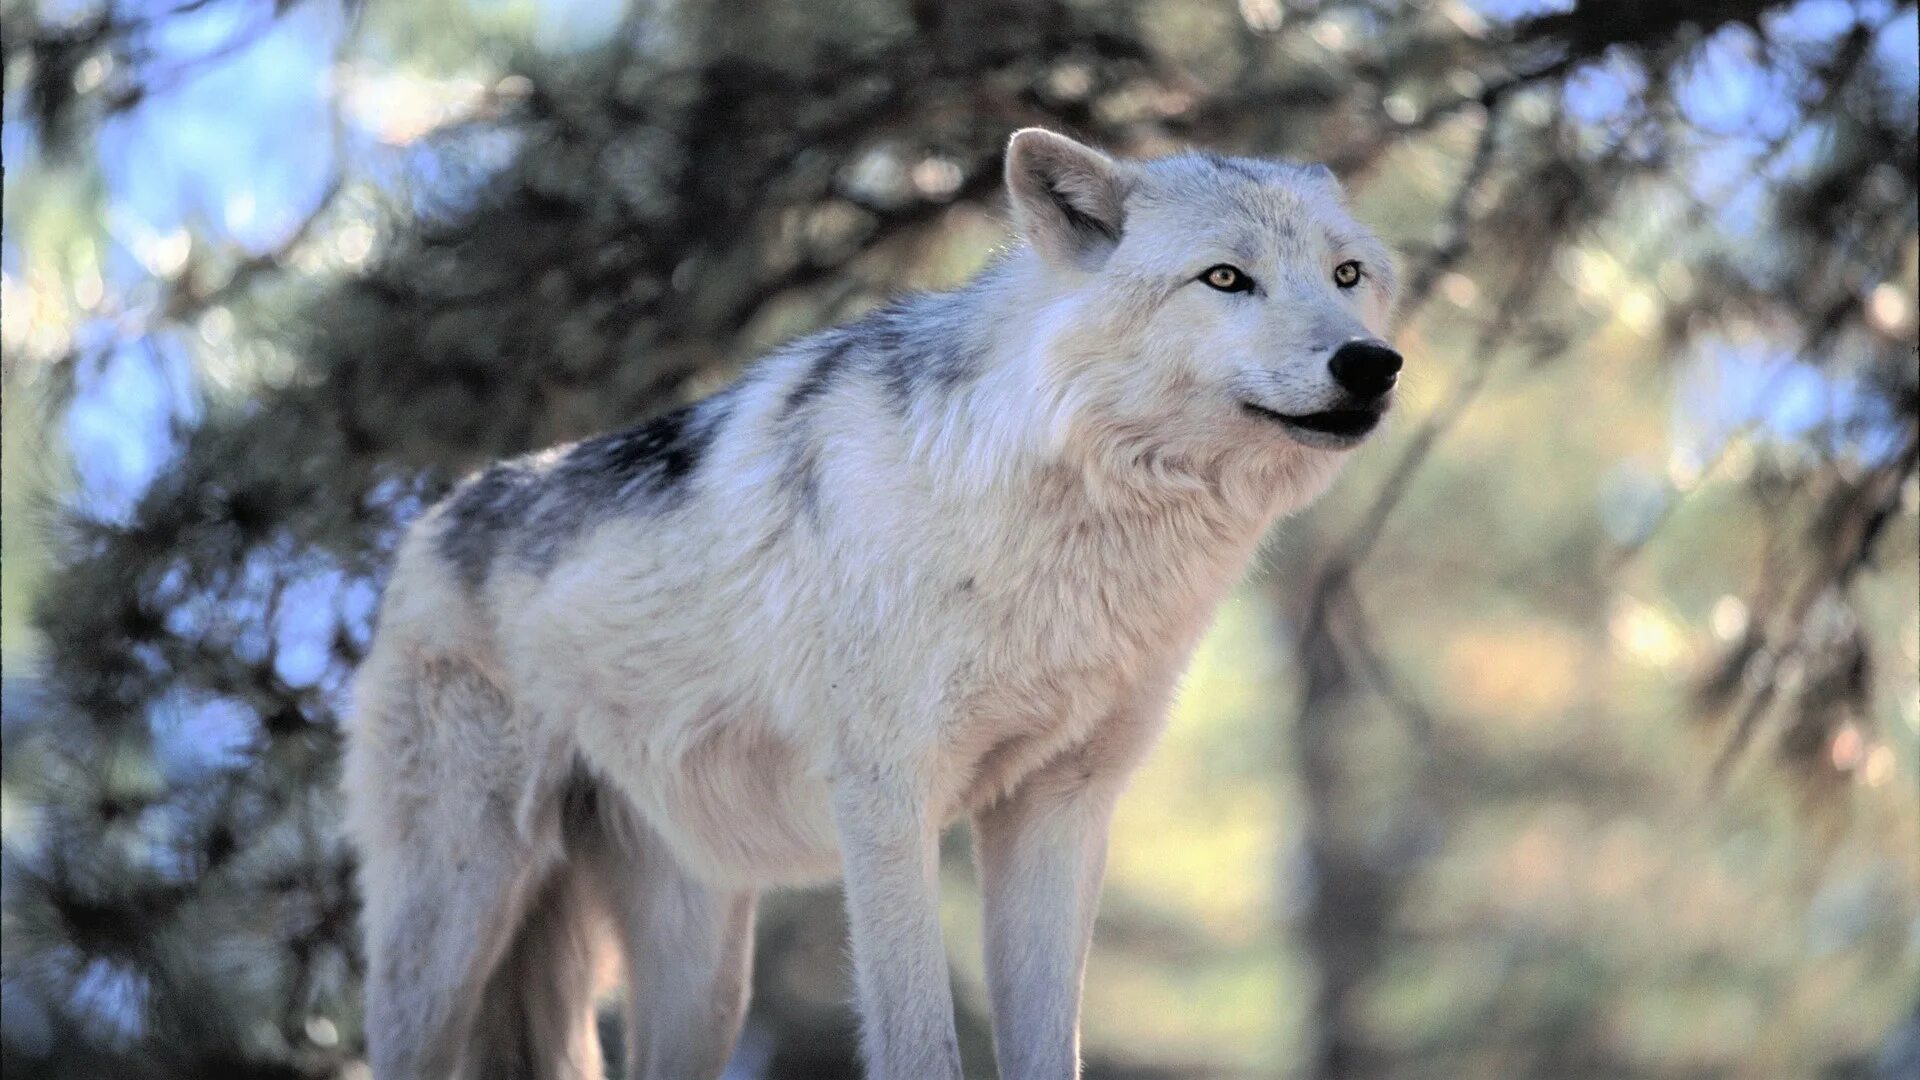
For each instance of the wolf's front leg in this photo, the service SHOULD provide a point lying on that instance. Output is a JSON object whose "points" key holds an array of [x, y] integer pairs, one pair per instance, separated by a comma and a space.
{"points": [[890, 849], [1042, 851]]}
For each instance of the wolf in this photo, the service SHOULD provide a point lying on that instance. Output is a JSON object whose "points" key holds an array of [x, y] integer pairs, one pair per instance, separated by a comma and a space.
{"points": [[945, 562]]}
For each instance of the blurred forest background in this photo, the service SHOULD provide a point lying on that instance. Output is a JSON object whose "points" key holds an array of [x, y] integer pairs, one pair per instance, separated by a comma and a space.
{"points": [[1575, 734]]}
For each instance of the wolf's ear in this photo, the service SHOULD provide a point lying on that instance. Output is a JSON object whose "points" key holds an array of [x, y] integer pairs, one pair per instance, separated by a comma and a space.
{"points": [[1069, 200], [1316, 173]]}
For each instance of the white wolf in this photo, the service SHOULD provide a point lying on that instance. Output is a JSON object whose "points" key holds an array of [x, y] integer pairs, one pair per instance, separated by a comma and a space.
{"points": [[948, 561]]}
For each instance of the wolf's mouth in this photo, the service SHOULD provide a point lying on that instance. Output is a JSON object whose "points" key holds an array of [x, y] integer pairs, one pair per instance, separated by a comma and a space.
{"points": [[1339, 423]]}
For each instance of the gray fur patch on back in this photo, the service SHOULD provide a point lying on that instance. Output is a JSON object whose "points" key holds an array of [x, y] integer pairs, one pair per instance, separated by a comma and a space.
{"points": [[917, 349], [535, 510], [922, 347], [814, 381], [799, 477], [480, 513]]}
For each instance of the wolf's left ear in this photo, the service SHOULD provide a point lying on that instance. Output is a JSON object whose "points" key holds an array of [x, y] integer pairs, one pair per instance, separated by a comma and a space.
{"points": [[1069, 200]]}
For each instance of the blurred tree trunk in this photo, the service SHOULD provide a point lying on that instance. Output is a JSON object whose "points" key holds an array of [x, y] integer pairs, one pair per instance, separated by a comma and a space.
{"points": [[1346, 903], [1366, 826]]}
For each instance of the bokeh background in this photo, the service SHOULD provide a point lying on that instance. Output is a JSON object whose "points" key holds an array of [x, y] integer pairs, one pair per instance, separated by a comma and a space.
{"points": [[1575, 734]]}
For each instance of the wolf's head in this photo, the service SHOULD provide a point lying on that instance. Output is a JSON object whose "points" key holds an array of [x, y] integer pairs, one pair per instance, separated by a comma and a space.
{"points": [[1204, 303]]}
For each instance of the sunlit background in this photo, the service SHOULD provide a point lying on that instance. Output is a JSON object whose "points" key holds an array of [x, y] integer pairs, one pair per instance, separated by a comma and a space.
{"points": [[1575, 734]]}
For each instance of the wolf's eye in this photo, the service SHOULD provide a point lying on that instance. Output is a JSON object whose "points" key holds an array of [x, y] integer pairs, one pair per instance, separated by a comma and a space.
{"points": [[1227, 278], [1347, 274]]}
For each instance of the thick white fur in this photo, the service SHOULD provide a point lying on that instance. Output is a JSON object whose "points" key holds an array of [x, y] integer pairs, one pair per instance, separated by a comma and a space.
{"points": [[986, 619]]}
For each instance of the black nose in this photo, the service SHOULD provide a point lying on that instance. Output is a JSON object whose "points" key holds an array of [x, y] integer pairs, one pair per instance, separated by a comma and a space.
{"points": [[1365, 368]]}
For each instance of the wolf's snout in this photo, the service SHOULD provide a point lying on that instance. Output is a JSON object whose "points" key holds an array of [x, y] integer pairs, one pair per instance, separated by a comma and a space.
{"points": [[1365, 369]]}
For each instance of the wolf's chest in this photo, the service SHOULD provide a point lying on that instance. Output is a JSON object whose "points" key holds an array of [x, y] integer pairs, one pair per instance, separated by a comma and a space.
{"points": [[1056, 660], [1093, 603]]}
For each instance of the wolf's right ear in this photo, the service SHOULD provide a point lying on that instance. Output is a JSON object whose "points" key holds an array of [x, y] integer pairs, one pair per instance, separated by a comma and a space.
{"points": [[1316, 173], [1069, 200]]}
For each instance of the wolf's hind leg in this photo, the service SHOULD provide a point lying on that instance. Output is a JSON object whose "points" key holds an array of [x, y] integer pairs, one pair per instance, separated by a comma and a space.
{"points": [[433, 937], [688, 948], [447, 870], [537, 1018]]}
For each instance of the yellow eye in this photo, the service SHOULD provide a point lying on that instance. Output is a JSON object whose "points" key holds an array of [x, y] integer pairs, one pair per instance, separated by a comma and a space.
{"points": [[1227, 278], [1347, 274]]}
